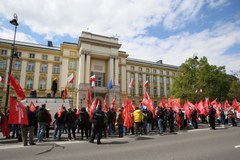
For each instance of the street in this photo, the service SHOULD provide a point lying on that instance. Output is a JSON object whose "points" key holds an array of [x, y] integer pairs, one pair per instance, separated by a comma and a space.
{"points": [[201, 144]]}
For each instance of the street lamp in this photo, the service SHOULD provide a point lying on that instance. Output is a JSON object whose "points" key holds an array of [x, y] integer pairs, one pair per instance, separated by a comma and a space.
{"points": [[14, 22]]}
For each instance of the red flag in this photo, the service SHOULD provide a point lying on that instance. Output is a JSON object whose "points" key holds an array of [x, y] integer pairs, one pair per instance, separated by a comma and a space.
{"points": [[162, 102], [146, 95], [206, 102], [105, 107], [17, 112], [200, 108], [127, 116], [88, 99], [146, 84], [131, 84], [113, 102], [18, 89], [187, 107], [60, 110], [70, 79], [64, 95], [32, 107], [176, 104], [225, 105], [93, 107], [235, 103]]}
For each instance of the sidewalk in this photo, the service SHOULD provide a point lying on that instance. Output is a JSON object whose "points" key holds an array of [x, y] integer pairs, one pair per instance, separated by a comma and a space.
{"points": [[64, 136]]}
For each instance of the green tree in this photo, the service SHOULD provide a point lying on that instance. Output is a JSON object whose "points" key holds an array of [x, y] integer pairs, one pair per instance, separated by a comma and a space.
{"points": [[198, 79]]}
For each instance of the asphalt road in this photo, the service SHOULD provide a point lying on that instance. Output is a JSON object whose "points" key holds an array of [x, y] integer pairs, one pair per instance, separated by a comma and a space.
{"points": [[201, 144]]}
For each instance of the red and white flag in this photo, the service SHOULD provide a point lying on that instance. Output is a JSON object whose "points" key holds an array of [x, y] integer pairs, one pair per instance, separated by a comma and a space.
{"points": [[18, 89], [61, 109], [32, 107], [92, 81], [131, 84], [105, 107], [70, 79], [17, 112], [146, 84], [1, 79]]}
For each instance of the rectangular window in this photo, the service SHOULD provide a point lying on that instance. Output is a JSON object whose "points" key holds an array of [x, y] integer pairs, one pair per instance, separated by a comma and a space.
{"points": [[4, 52], [17, 66], [147, 70], [44, 68], [140, 69], [3, 64], [161, 79], [132, 68], [72, 65], [19, 54], [154, 79], [44, 57], [148, 78], [140, 91], [154, 71], [56, 58], [167, 80], [155, 91], [161, 72], [31, 67], [140, 77], [167, 72], [56, 69], [31, 55]]}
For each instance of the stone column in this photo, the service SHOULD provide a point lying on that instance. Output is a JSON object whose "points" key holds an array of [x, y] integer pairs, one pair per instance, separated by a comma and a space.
{"points": [[81, 68], [158, 86], [116, 72], [87, 74], [136, 84]]}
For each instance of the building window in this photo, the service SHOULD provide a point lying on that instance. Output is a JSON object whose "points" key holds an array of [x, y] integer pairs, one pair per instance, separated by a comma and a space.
{"points": [[30, 67], [31, 55], [44, 57], [148, 78], [2, 83], [132, 68], [173, 73], [140, 77], [56, 58], [154, 71], [155, 91], [147, 70], [167, 80], [29, 84], [44, 68], [56, 69], [42, 84], [4, 52], [17, 66], [162, 92], [72, 65], [161, 79], [140, 91], [140, 69], [132, 76], [3, 64], [161, 72], [154, 79], [19, 54], [167, 72]]}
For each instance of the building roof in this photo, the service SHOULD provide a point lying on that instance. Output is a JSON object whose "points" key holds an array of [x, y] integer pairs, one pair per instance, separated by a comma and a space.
{"points": [[152, 63]]}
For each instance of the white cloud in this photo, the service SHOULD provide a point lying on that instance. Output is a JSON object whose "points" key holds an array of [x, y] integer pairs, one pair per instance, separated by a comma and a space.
{"points": [[130, 20], [20, 36]]}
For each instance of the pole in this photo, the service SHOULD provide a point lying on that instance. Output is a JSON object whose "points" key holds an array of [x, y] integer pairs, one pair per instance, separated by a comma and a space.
{"points": [[10, 69]]}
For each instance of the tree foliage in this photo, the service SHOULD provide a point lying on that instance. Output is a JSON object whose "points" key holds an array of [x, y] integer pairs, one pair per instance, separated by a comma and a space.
{"points": [[198, 79]]}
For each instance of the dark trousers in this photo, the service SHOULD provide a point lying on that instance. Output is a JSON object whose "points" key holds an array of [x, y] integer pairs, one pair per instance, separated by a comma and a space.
{"points": [[171, 125], [97, 131], [25, 131], [194, 123], [212, 122], [71, 130]]}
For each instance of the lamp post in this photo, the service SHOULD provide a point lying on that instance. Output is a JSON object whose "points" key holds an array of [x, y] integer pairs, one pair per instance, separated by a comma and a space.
{"points": [[14, 22]]}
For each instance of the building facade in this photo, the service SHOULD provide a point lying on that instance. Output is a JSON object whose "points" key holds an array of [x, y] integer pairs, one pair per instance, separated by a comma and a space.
{"points": [[39, 65]]}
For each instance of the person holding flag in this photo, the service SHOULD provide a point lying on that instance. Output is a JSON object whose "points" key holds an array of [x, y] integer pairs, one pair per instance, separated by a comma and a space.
{"points": [[60, 122]]}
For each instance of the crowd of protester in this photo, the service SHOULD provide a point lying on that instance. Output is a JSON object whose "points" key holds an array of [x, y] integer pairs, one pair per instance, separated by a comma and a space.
{"points": [[109, 123]]}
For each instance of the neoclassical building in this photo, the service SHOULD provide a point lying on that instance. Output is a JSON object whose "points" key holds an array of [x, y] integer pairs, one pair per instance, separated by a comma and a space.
{"points": [[39, 65]]}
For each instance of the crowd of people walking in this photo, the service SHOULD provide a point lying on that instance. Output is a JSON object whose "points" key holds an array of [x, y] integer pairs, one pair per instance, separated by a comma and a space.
{"points": [[110, 123]]}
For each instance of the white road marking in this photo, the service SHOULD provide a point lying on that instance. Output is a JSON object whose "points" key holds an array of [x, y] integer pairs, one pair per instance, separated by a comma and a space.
{"points": [[238, 146]]}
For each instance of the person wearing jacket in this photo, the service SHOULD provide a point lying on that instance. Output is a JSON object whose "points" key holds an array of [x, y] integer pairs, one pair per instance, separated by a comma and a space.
{"points": [[42, 118], [70, 121], [28, 128], [137, 118], [98, 121], [83, 122]]}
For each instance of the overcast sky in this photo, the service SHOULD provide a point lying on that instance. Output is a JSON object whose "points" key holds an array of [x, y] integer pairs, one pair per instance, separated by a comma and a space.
{"points": [[170, 30]]}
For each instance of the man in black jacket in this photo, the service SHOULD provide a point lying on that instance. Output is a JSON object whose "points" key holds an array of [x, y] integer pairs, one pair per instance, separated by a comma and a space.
{"points": [[28, 128], [98, 121], [212, 113], [71, 121], [42, 117]]}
